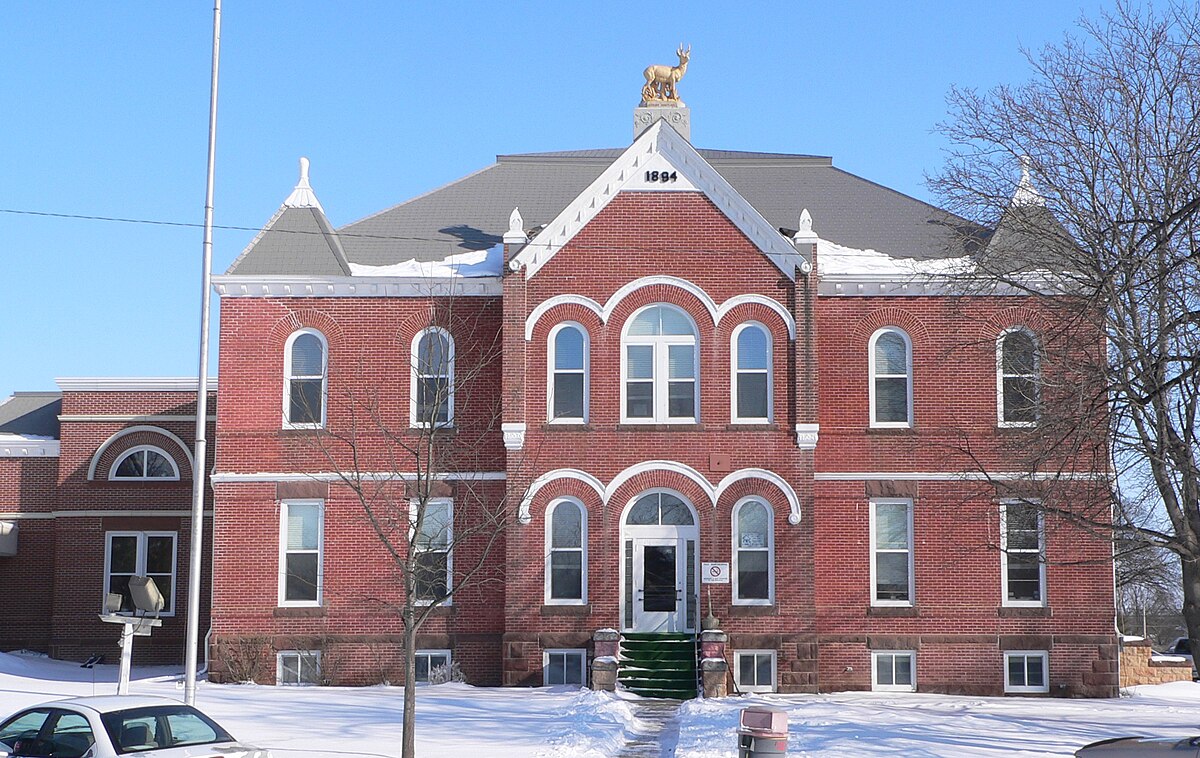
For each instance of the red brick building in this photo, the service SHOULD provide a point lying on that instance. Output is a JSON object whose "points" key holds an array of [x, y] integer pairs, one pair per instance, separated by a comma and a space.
{"points": [[95, 487], [693, 382], [668, 384]]}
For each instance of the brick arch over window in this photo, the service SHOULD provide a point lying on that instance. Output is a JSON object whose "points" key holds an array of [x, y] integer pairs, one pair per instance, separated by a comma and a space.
{"points": [[1016, 316], [666, 294], [137, 436], [567, 311], [566, 487], [897, 317], [305, 318]]}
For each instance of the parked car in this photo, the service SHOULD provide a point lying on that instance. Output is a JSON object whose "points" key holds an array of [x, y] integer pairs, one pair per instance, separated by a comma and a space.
{"points": [[1181, 646], [1141, 747], [107, 727]]}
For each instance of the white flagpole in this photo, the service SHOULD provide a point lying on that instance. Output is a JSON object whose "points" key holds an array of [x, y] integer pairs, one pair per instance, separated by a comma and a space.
{"points": [[200, 470]]}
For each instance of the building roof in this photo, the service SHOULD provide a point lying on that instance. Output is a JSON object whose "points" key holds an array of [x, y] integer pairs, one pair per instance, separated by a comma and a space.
{"points": [[471, 213], [31, 414]]}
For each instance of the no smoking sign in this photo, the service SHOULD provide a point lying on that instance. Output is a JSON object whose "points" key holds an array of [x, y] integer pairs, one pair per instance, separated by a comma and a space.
{"points": [[714, 573]]}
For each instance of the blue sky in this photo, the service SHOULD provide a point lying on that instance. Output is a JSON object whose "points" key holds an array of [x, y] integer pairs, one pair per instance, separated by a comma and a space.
{"points": [[106, 114]]}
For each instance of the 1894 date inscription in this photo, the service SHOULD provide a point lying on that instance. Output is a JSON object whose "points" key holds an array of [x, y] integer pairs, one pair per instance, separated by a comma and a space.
{"points": [[662, 177]]}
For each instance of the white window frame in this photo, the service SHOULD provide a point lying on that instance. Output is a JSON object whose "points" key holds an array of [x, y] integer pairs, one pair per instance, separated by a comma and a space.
{"points": [[737, 670], [875, 684], [567, 651], [1027, 654], [284, 506], [414, 376], [871, 377], [769, 549], [288, 377], [912, 584], [142, 546], [112, 471], [427, 653], [661, 379], [413, 507], [735, 372], [583, 549], [280, 655], [551, 373], [1004, 555], [1000, 376]]}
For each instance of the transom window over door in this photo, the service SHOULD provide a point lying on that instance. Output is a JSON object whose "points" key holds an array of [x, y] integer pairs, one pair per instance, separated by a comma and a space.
{"points": [[660, 365], [304, 380], [568, 390], [891, 378]]}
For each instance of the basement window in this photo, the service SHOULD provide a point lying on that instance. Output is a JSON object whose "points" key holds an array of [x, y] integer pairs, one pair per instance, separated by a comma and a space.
{"points": [[298, 667], [754, 670], [564, 666]]}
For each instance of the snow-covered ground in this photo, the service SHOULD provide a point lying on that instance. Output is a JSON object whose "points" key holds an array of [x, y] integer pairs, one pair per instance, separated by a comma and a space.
{"points": [[458, 720]]}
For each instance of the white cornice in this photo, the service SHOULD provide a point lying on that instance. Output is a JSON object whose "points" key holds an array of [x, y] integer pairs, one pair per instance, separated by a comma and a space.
{"points": [[99, 513], [29, 448], [131, 383], [889, 285], [958, 476], [657, 148], [125, 417], [335, 476], [236, 285]]}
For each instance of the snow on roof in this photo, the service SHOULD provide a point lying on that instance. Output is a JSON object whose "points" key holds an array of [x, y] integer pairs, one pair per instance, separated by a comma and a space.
{"points": [[473, 264], [834, 259]]}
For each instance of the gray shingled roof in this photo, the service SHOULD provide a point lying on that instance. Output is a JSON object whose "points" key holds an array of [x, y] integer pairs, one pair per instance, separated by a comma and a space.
{"points": [[295, 241], [31, 413], [472, 213]]}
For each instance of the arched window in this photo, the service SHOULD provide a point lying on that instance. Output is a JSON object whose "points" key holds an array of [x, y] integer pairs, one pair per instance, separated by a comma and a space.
{"points": [[143, 464], [566, 554], [304, 366], [753, 553], [751, 373], [660, 365], [433, 378], [1018, 378], [568, 359], [890, 356], [660, 509]]}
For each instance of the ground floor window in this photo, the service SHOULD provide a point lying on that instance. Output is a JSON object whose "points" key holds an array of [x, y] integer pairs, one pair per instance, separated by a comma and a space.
{"points": [[1026, 671], [894, 671], [754, 670], [564, 667], [149, 554], [433, 666], [297, 667]]}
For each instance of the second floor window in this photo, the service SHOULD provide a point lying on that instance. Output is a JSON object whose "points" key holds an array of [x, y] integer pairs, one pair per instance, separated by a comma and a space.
{"points": [[304, 380], [661, 367], [568, 388], [145, 464], [752, 373], [1018, 378], [433, 378], [891, 378]]}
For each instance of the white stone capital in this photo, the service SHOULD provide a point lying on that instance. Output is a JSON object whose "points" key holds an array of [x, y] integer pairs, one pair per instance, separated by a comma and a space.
{"points": [[806, 436], [514, 436]]}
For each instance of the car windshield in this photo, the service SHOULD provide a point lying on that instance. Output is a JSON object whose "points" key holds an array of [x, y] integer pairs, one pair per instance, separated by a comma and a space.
{"points": [[162, 726]]}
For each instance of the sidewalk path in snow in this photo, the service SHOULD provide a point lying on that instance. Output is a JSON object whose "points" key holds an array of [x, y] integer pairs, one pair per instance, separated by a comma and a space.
{"points": [[659, 732]]}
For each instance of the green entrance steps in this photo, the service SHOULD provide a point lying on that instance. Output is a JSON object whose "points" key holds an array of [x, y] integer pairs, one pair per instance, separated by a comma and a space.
{"points": [[658, 665]]}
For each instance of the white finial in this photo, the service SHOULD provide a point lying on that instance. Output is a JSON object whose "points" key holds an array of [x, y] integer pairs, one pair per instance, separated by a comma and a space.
{"points": [[516, 229], [1025, 193], [303, 196], [805, 234]]}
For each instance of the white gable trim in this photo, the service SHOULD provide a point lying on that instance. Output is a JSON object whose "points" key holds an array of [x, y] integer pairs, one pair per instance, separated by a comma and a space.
{"points": [[525, 516], [657, 143], [717, 312]]}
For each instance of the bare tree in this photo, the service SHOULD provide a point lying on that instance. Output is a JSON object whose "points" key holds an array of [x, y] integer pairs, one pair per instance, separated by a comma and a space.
{"points": [[413, 465], [1102, 230]]}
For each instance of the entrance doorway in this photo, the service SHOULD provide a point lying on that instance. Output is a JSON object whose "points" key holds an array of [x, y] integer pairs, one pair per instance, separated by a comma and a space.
{"points": [[659, 538]]}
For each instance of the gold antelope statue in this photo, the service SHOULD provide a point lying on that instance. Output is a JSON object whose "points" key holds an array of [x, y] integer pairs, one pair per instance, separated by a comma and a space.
{"points": [[662, 82]]}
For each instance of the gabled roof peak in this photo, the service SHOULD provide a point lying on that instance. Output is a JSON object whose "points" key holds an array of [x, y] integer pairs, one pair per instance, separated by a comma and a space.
{"points": [[303, 196]]}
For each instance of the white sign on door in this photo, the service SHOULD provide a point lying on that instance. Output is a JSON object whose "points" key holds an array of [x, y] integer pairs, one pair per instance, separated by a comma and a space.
{"points": [[714, 573]]}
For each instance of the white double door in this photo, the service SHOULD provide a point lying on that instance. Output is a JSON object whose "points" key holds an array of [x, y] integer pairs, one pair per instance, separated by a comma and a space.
{"points": [[661, 579]]}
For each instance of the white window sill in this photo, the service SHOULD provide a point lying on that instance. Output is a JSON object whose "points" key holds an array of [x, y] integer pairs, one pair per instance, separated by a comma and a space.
{"points": [[299, 604], [751, 421], [892, 604], [561, 601], [658, 422], [1016, 424], [289, 425], [567, 421], [1023, 604], [1026, 690], [753, 603], [890, 425]]}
